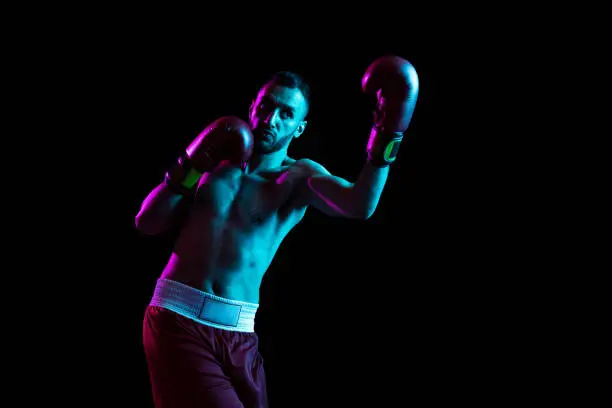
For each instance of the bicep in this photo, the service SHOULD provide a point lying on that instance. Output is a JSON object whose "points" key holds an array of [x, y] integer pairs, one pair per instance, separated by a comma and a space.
{"points": [[328, 193]]}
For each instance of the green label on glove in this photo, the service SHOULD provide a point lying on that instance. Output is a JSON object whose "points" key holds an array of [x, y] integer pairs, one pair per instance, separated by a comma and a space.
{"points": [[192, 178], [391, 150]]}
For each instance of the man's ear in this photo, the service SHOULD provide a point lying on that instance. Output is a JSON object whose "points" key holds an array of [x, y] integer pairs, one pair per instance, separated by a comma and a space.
{"points": [[300, 129]]}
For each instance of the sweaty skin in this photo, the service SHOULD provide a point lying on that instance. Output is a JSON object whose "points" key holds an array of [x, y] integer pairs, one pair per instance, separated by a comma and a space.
{"points": [[239, 217]]}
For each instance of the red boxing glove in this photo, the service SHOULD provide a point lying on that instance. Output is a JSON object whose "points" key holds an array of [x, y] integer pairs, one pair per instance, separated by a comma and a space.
{"points": [[395, 83], [227, 138]]}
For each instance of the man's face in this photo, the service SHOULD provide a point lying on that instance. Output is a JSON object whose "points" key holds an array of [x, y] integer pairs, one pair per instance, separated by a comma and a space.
{"points": [[276, 117]]}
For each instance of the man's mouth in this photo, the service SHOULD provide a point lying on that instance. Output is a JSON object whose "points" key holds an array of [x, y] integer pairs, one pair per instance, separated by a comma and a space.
{"points": [[266, 135]]}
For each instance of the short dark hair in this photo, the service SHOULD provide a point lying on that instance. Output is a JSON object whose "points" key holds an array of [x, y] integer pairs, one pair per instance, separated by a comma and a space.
{"points": [[292, 79]]}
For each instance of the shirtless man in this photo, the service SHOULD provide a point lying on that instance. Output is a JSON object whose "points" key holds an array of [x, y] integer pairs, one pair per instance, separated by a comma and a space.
{"points": [[236, 195]]}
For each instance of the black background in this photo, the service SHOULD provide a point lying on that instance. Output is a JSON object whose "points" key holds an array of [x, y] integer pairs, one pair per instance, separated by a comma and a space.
{"points": [[419, 302]]}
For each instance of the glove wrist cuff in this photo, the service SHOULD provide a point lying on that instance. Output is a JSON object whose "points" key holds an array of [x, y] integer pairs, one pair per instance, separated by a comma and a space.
{"points": [[182, 177], [383, 146]]}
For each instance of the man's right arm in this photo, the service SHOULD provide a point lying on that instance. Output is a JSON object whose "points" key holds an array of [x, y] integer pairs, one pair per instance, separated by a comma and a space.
{"points": [[161, 210], [227, 138]]}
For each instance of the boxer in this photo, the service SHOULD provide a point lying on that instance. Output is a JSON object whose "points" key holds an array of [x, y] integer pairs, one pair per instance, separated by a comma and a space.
{"points": [[235, 194]]}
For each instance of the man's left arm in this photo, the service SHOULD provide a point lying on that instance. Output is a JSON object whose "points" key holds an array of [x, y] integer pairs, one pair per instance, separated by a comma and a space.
{"points": [[336, 196], [394, 82]]}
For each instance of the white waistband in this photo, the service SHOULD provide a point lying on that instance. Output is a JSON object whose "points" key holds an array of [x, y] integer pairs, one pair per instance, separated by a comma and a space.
{"points": [[203, 307]]}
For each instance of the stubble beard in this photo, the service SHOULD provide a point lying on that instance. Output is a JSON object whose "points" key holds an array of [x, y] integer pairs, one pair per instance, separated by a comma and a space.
{"points": [[263, 148]]}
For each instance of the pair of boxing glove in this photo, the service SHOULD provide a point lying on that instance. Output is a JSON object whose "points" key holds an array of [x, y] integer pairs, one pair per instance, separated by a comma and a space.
{"points": [[391, 79]]}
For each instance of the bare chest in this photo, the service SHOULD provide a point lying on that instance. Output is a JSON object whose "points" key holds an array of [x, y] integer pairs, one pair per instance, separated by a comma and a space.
{"points": [[249, 199]]}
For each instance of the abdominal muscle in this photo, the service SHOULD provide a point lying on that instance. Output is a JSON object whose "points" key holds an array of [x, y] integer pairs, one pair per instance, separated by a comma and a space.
{"points": [[227, 263], [221, 252]]}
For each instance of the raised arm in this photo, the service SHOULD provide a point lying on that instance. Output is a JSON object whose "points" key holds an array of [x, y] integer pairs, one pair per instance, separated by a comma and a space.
{"points": [[160, 210], [395, 83], [227, 138], [339, 197]]}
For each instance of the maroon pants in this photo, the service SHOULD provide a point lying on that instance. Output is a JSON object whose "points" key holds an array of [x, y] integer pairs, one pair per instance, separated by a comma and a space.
{"points": [[194, 365]]}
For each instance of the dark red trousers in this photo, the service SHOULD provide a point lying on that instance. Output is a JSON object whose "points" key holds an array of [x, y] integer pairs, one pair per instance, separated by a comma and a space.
{"points": [[195, 365]]}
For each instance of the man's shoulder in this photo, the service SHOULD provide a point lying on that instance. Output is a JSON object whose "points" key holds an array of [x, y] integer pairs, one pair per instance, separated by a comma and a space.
{"points": [[308, 165]]}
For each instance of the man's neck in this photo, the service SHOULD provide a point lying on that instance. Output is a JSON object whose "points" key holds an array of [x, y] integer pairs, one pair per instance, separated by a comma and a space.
{"points": [[263, 162]]}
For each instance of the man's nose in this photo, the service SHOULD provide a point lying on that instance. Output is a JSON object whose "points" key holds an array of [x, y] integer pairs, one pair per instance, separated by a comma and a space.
{"points": [[271, 118]]}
